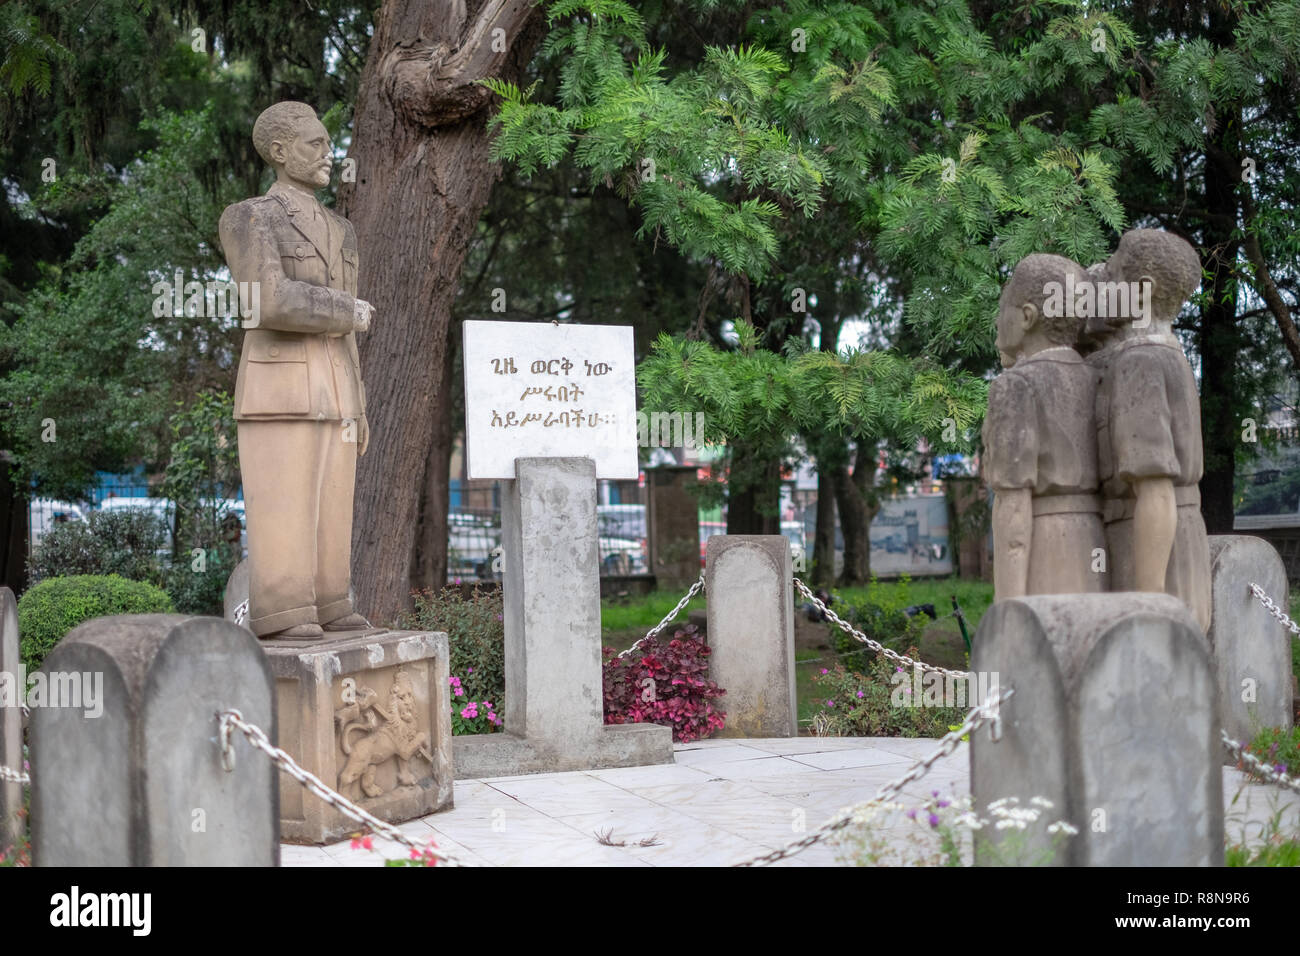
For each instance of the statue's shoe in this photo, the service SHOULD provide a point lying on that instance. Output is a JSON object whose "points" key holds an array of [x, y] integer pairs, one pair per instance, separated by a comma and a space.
{"points": [[299, 632], [349, 622]]}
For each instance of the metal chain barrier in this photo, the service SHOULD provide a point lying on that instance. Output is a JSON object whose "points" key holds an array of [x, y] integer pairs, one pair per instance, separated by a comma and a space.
{"points": [[234, 720], [1273, 609], [11, 775], [874, 645], [985, 713], [695, 589], [1257, 766]]}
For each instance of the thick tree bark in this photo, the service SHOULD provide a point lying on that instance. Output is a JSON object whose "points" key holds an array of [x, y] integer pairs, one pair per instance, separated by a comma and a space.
{"points": [[753, 502], [423, 176], [429, 553], [14, 513], [858, 505], [823, 554], [1220, 337]]}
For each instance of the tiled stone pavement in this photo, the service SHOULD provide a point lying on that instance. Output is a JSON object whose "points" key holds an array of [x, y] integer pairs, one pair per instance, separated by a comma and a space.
{"points": [[723, 801]]}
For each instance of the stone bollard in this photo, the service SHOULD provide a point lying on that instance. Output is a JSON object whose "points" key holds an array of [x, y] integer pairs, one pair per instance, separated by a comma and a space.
{"points": [[751, 633], [12, 694], [1252, 651], [1114, 719], [126, 767], [554, 717]]}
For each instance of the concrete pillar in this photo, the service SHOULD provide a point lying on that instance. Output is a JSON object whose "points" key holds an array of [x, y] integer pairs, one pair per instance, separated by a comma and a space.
{"points": [[1114, 719], [126, 766], [1252, 651], [673, 523], [12, 691], [751, 633], [554, 716]]}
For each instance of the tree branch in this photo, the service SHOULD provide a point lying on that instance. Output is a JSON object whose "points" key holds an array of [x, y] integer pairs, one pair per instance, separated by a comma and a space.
{"points": [[435, 85]]}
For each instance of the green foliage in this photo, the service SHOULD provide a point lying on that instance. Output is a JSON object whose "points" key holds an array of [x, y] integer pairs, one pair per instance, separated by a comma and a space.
{"points": [[877, 702], [49, 610], [1278, 748], [125, 542], [476, 644], [879, 614], [202, 479], [88, 352]]}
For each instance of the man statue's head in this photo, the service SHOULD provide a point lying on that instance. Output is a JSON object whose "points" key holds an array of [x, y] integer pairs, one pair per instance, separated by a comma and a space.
{"points": [[1032, 314], [295, 143]]}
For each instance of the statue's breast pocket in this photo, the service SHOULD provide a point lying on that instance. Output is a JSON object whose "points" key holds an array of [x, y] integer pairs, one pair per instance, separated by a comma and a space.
{"points": [[298, 258]]}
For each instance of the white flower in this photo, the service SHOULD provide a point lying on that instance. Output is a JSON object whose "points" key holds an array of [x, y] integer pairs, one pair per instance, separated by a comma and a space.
{"points": [[1042, 802], [1060, 826]]}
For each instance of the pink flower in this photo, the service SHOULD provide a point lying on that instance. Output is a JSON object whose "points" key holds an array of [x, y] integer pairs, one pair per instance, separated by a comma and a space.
{"points": [[823, 670]]}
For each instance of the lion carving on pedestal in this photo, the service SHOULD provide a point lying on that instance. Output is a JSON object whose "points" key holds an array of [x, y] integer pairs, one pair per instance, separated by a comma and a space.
{"points": [[387, 732]]}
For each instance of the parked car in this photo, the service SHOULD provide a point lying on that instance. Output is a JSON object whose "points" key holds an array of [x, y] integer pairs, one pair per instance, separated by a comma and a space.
{"points": [[471, 541], [45, 513], [624, 539]]}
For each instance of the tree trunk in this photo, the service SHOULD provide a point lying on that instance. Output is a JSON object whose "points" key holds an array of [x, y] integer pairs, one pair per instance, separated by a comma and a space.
{"points": [[1220, 339], [753, 493], [423, 176], [15, 510], [858, 505], [429, 555], [823, 556]]}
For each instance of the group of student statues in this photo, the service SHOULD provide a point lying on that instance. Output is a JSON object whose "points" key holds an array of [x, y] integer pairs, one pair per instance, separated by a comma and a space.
{"points": [[1092, 440]]}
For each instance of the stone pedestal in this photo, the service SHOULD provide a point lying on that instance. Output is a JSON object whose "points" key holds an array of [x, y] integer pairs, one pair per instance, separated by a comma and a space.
{"points": [[1252, 651], [127, 767], [751, 633], [554, 715], [1114, 719], [369, 713], [674, 526], [12, 695]]}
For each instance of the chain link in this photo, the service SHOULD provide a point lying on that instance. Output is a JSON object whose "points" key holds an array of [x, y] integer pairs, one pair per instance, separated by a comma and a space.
{"points": [[696, 588], [257, 737], [874, 645], [11, 775], [1257, 766], [985, 713], [1273, 609]]}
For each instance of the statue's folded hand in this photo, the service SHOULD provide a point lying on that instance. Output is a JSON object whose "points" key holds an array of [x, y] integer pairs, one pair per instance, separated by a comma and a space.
{"points": [[361, 313]]}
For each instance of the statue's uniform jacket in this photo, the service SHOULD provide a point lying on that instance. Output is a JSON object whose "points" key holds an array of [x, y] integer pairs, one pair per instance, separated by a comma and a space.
{"points": [[299, 405], [300, 361], [1038, 435]]}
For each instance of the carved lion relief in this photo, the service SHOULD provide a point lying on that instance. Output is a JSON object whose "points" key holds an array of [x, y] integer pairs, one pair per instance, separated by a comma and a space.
{"points": [[370, 733]]}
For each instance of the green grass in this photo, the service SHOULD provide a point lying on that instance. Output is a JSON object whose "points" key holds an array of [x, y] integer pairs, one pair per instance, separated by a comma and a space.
{"points": [[645, 612], [973, 595]]}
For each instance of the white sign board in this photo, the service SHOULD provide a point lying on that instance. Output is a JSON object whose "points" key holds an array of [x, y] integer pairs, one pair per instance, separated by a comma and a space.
{"points": [[544, 390]]}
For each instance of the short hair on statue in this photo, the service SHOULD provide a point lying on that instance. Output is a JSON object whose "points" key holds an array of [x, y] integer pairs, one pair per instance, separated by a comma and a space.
{"points": [[1170, 261], [1031, 282], [278, 123]]}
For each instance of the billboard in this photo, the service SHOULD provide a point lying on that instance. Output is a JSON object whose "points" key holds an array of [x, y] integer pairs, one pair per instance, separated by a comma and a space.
{"points": [[910, 536]]}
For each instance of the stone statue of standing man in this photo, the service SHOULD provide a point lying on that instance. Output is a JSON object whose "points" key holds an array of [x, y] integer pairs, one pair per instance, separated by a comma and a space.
{"points": [[300, 405]]}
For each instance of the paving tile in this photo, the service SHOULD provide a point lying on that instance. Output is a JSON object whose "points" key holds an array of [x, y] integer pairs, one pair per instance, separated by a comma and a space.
{"points": [[721, 802]]}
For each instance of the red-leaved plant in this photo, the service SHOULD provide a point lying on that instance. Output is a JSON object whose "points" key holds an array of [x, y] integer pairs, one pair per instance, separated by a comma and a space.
{"points": [[664, 683]]}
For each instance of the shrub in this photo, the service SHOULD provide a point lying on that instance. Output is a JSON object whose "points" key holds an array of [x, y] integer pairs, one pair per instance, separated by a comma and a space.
{"points": [[881, 616], [866, 706], [49, 610], [125, 543], [476, 642], [665, 683], [1278, 748], [201, 592]]}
